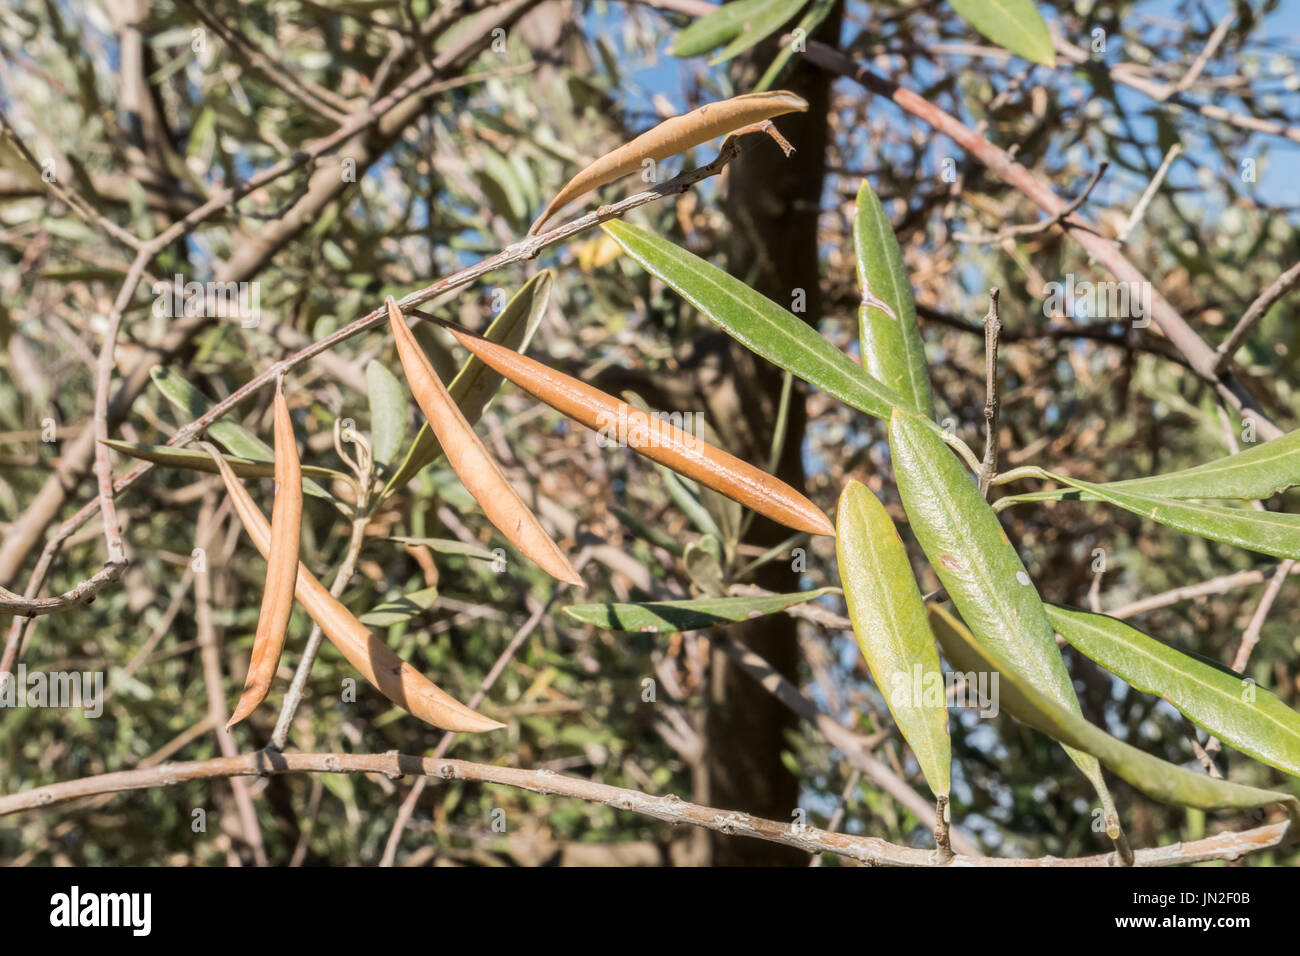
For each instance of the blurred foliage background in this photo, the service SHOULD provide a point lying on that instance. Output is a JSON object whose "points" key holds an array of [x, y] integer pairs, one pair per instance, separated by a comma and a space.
{"points": [[146, 108]]}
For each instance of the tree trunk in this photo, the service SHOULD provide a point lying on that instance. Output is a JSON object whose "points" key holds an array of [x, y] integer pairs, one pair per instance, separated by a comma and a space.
{"points": [[772, 202]]}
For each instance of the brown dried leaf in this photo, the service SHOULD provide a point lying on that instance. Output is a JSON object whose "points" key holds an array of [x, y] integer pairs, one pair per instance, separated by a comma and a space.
{"points": [[653, 437], [471, 461], [281, 566], [395, 679], [673, 136]]}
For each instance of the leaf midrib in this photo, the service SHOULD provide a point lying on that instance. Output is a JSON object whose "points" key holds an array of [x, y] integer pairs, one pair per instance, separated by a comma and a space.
{"points": [[1146, 654]]}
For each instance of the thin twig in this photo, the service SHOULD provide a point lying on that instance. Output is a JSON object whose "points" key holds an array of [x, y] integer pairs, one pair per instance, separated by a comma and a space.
{"points": [[1250, 637], [992, 329], [1149, 193], [293, 696], [837, 817], [1124, 74], [210, 655], [1256, 311], [1032, 228], [1202, 753], [1218, 585], [1203, 58], [66, 194]]}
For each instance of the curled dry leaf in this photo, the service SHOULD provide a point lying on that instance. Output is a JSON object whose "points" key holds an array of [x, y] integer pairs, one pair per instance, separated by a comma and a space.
{"points": [[281, 566], [658, 440], [471, 461], [395, 679], [673, 136]]}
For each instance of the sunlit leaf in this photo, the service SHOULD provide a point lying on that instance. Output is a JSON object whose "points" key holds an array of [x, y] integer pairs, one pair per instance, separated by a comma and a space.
{"points": [[892, 349], [1156, 778], [889, 620], [756, 322], [1014, 25], [981, 571], [1227, 705]]}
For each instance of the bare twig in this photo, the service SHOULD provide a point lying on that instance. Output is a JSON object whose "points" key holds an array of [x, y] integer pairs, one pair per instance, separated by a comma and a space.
{"points": [[82, 593], [670, 808], [1219, 585], [1202, 754], [66, 193], [1250, 637], [1125, 74], [833, 825], [1256, 311], [1032, 228], [293, 696], [1203, 58], [210, 655], [1149, 193], [992, 329]]}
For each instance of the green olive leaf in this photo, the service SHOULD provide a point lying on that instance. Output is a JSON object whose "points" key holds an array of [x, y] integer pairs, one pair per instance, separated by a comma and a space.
{"points": [[447, 546], [387, 411], [755, 321], [714, 29], [1150, 775], [1257, 473], [981, 570], [665, 617], [232, 436], [889, 620], [1227, 705], [758, 26], [892, 349], [194, 460], [1268, 532], [401, 608], [1014, 25], [812, 19]]}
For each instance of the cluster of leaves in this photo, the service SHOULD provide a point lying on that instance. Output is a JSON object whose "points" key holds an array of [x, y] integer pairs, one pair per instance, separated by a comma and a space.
{"points": [[574, 697]]}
